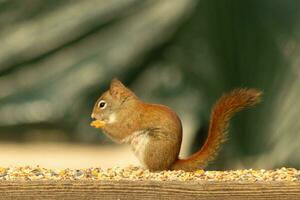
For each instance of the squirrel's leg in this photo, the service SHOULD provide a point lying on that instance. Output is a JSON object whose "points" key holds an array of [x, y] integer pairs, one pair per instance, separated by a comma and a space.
{"points": [[160, 153]]}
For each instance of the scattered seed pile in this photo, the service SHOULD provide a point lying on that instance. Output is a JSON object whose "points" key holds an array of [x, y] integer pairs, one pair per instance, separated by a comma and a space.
{"points": [[137, 173]]}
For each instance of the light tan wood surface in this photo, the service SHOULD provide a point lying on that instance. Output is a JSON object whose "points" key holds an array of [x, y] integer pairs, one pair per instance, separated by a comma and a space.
{"points": [[125, 189]]}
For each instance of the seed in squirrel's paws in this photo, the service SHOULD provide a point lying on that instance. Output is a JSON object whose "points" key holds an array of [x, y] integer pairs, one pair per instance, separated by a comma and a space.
{"points": [[97, 124]]}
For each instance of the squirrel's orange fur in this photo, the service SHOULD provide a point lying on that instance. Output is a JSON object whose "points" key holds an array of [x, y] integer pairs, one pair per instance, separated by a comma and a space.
{"points": [[154, 131], [222, 112]]}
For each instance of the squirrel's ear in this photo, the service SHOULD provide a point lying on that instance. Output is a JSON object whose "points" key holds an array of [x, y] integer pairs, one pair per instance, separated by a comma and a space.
{"points": [[118, 90], [115, 83]]}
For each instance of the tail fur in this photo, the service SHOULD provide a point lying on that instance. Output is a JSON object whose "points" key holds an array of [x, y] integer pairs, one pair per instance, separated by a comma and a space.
{"points": [[222, 112]]}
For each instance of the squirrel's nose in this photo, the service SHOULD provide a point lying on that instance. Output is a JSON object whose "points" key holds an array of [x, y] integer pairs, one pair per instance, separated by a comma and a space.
{"points": [[93, 116]]}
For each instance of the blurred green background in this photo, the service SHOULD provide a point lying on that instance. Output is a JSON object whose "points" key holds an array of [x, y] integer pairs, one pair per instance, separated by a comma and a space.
{"points": [[57, 57]]}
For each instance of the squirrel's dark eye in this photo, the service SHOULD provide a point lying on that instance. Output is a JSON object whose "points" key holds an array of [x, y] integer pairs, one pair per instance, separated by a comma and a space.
{"points": [[102, 104]]}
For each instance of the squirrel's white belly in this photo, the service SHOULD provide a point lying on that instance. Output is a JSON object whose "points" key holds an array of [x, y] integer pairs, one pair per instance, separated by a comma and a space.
{"points": [[139, 141]]}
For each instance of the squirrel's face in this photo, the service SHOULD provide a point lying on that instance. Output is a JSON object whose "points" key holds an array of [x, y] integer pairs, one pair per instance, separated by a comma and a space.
{"points": [[104, 107], [111, 102]]}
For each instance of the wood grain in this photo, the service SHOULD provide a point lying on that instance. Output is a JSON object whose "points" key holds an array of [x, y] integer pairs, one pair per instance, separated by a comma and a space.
{"points": [[125, 189]]}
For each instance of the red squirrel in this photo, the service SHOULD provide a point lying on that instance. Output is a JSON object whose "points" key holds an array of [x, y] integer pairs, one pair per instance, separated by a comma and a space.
{"points": [[155, 132]]}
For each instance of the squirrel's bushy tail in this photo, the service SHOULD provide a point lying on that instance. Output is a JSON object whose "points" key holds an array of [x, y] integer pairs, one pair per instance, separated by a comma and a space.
{"points": [[222, 112]]}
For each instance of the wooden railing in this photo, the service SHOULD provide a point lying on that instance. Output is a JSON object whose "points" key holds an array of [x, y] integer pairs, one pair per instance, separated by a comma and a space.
{"points": [[126, 189]]}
